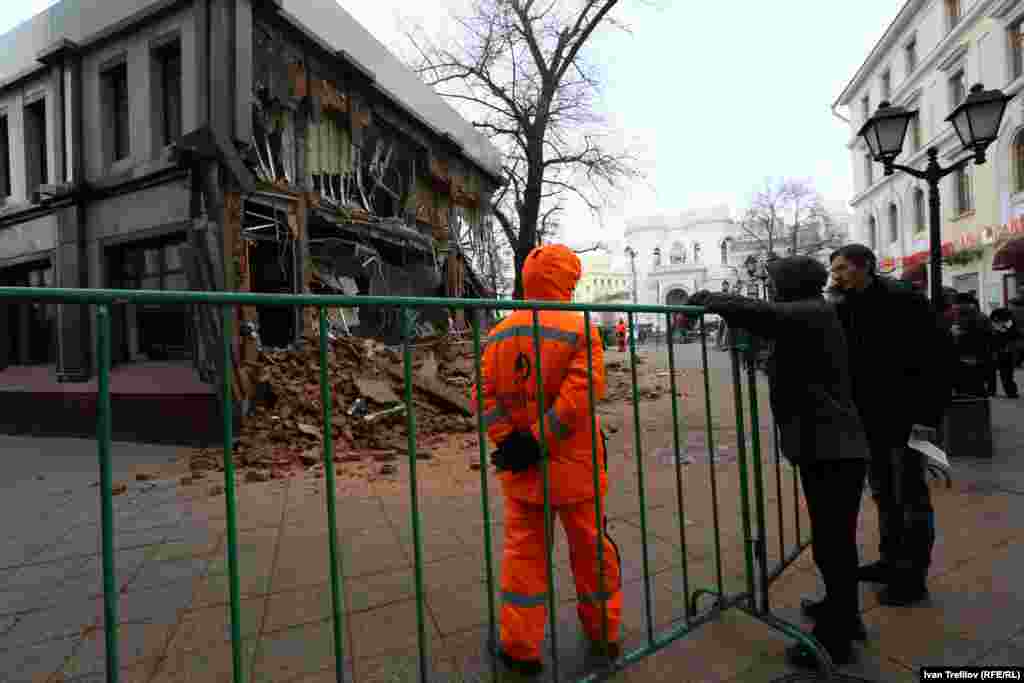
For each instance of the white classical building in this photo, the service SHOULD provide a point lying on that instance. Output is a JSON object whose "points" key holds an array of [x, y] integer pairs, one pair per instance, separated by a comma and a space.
{"points": [[927, 60], [676, 255]]}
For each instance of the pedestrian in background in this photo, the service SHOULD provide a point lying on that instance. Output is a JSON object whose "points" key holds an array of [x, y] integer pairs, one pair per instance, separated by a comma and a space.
{"points": [[620, 334], [901, 362], [513, 419], [1006, 347], [973, 339], [820, 432]]}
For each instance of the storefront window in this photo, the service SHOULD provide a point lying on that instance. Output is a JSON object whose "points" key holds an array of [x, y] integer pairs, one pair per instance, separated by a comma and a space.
{"points": [[152, 331], [28, 328]]}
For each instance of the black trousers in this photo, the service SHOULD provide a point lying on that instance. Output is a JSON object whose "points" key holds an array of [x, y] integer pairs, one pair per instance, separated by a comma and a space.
{"points": [[1004, 364], [906, 519], [833, 491]]}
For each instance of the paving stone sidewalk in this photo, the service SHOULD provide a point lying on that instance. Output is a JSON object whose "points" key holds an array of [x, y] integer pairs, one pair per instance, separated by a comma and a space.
{"points": [[172, 574]]}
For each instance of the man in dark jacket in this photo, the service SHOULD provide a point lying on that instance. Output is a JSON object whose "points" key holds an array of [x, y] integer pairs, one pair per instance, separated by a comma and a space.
{"points": [[972, 336], [820, 430], [1006, 345], [900, 360]]}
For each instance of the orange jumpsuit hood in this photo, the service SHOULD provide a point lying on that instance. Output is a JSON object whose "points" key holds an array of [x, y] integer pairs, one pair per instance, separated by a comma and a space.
{"points": [[551, 273]]}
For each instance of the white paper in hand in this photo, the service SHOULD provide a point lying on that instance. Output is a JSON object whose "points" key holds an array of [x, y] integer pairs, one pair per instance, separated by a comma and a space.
{"points": [[935, 454]]}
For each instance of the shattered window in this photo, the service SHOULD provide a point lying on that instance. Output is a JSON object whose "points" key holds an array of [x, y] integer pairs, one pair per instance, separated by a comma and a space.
{"points": [[328, 154]]}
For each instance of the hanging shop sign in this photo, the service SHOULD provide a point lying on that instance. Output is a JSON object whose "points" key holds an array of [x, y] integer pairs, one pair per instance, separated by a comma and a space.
{"points": [[971, 240]]}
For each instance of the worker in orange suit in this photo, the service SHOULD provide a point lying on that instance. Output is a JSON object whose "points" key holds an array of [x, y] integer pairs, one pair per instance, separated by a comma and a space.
{"points": [[620, 334], [512, 408]]}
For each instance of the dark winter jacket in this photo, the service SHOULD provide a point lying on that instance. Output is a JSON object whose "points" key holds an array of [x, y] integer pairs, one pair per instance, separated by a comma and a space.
{"points": [[901, 357], [1005, 341], [808, 374]]}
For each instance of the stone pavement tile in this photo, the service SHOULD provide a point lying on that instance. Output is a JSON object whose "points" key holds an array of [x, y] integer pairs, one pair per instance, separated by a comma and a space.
{"points": [[139, 645], [161, 604], [86, 544], [295, 570], [718, 651], [393, 627], [292, 653], [462, 608], [455, 572], [154, 573], [866, 665], [36, 662], [209, 591], [182, 550], [375, 590], [209, 626], [327, 675], [404, 667], [255, 568], [660, 554], [138, 672], [214, 664], [1008, 653], [366, 554], [300, 606], [940, 632], [435, 545], [66, 619]]}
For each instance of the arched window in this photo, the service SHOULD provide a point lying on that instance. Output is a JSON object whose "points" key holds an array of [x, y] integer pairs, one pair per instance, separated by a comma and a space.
{"points": [[919, 217], [696, 252], [678, 254], [872, 233], [725, 252], [894, 223], [657, 257], [1017, 152]]}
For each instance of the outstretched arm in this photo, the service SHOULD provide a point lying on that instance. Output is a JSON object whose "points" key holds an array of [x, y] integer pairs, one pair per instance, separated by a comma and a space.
{"points": [[764, 319]]}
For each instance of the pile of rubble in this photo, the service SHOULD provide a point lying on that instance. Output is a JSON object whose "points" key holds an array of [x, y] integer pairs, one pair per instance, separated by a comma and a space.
{"points": [[283, 432]]}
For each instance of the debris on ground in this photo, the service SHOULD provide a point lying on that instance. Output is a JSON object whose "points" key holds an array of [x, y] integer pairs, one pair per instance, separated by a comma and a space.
{"points": [[119, 488], [283, 434]]}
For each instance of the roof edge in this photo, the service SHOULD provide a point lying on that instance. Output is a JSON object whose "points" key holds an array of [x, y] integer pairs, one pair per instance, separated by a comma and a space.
{"points": [[906, 13]]}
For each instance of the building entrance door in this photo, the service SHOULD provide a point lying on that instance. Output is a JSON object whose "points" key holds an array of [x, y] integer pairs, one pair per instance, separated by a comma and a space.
{"points": [[27, 329]]}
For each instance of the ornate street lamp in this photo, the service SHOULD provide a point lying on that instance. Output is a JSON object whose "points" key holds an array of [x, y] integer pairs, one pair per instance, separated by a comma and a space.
{"points": [[631, 254], [976, 121]]}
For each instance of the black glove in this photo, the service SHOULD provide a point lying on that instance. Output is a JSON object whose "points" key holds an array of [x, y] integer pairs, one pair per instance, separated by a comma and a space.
{"points": [[517, 453]]}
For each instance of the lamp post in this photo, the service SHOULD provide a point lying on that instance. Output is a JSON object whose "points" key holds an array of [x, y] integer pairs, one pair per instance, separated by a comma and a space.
{"points": [[976, 121], [631, 253]]}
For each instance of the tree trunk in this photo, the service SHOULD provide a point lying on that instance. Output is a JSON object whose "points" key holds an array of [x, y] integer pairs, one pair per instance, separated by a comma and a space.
{"points": [[529, 214]]}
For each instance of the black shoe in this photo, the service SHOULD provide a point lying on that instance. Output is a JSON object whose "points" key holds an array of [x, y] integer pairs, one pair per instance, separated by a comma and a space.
{"points": [[905, 595], [610, 650], [876, 572], [816, 610], [523, 667], [800, 656]]}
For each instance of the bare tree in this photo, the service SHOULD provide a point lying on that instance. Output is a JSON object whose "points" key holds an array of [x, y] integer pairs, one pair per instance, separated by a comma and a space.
{"points": [[787, 208], [519, 68], [765, 218]]}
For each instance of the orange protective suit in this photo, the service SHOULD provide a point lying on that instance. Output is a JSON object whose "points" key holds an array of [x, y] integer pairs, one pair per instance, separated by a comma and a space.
{"points": [[511, 404]]}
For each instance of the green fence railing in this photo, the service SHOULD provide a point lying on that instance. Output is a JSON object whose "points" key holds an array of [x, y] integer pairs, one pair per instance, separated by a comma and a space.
{"points": [[753, 599]]}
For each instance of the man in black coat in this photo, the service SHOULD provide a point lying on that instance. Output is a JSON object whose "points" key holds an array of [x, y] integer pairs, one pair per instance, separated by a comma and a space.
{"points": [[1006, 347], [819, 427], [901, 362]]}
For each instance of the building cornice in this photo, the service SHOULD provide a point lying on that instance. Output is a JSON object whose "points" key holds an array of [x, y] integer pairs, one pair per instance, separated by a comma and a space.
{"points": [[953, 58], [1003, 9], [953, 37]]}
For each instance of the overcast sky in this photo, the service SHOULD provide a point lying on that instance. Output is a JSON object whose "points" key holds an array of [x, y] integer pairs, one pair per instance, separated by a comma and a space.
{"points": [[712, 97]]}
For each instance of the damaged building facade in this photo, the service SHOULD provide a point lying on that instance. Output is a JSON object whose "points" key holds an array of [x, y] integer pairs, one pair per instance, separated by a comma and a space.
{"points": [[235, 145]]}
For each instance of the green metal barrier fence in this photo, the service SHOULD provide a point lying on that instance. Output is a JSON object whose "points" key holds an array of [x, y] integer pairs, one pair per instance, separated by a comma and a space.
{"points": [[754, 600]]}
